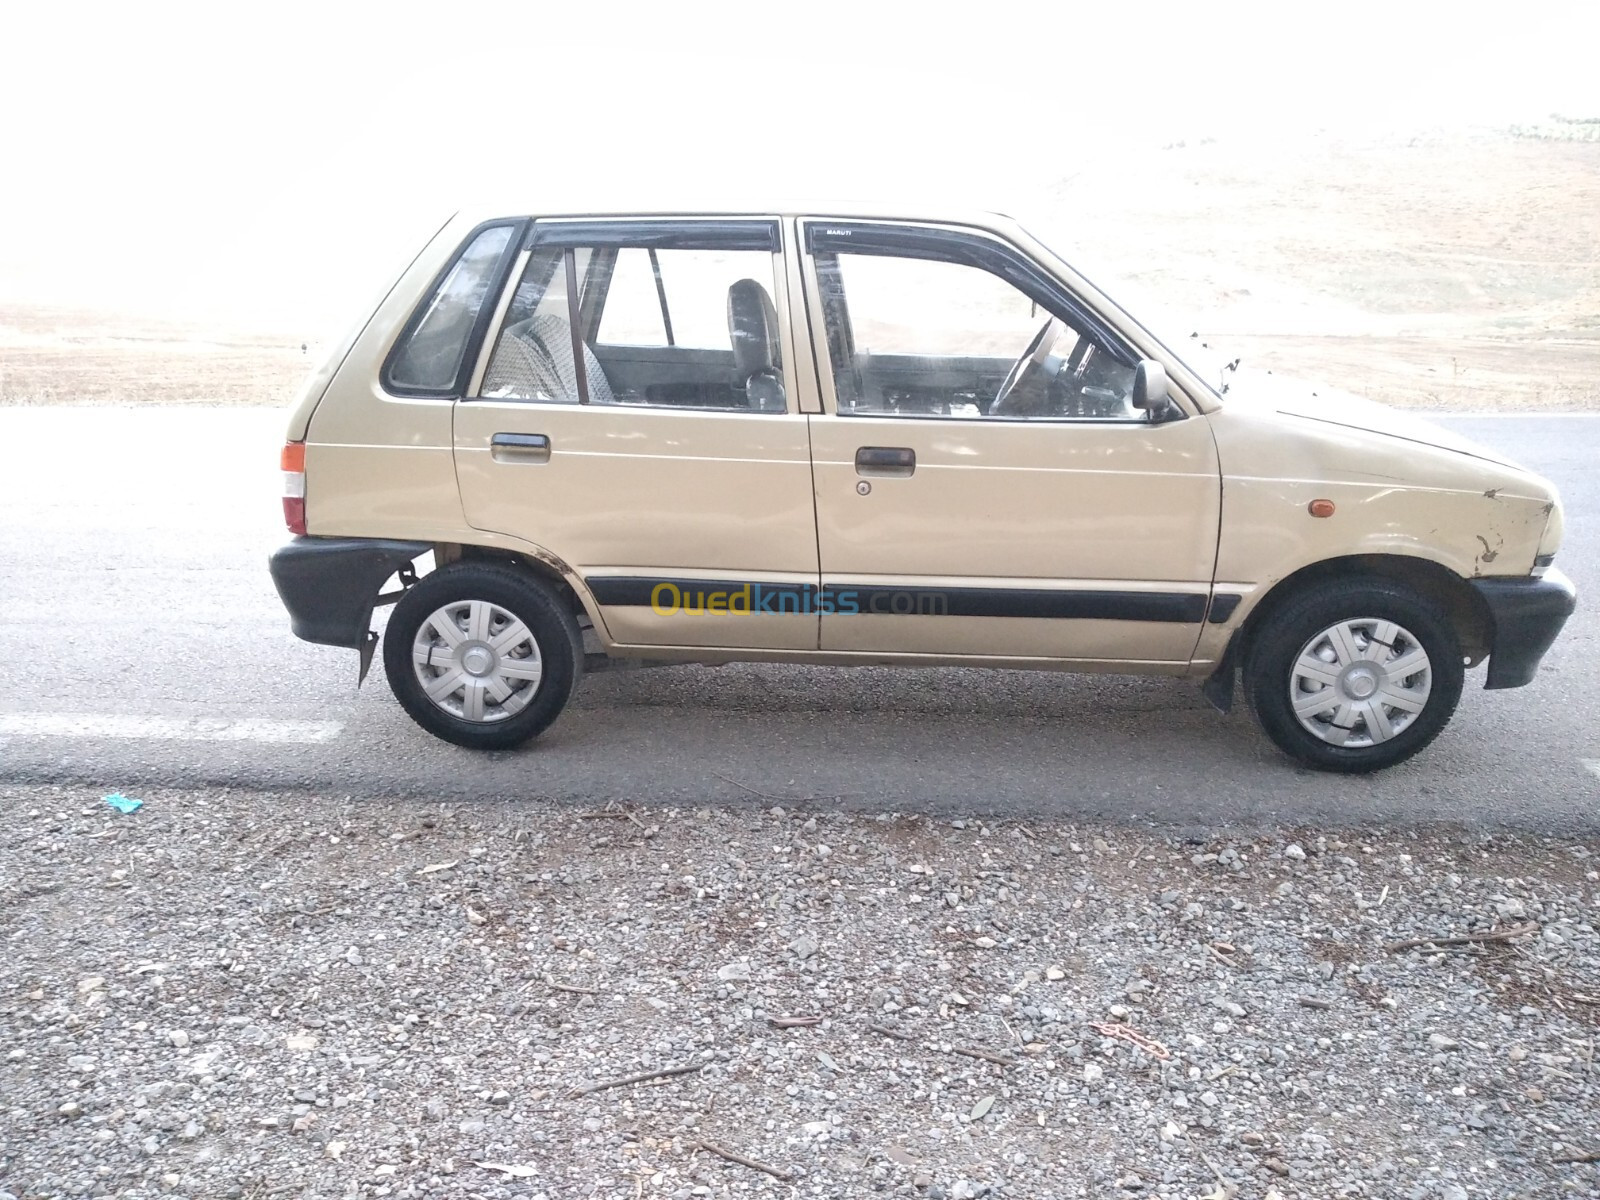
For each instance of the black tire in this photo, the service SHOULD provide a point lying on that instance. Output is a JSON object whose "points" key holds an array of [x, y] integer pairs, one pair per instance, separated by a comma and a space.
{"points": [[556, 643], [1275, 649]]}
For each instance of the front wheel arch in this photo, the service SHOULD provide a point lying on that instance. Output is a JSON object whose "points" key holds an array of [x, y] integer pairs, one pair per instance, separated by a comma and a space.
{"points": [[1384, 627], [1468, 614]]}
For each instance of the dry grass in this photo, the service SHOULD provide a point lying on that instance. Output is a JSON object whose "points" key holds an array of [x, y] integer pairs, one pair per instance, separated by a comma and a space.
{"points": [[56, 356], [1447, 273]]}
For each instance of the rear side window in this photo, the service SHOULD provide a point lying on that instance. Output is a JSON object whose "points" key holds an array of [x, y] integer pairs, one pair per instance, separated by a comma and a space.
{"points": [[676, 314], [427, 359]]}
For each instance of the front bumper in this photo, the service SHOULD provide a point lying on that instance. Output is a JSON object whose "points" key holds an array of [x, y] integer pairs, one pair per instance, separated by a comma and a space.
{"points": [[330, 585], [1528, 613]]}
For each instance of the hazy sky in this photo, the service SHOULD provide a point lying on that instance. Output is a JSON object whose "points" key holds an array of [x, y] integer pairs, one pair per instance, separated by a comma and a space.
{"points": [[272, 162]]}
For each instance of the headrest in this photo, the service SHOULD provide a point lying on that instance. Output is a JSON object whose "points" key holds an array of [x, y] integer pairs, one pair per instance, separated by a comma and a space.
{"points": [[753, 328]]}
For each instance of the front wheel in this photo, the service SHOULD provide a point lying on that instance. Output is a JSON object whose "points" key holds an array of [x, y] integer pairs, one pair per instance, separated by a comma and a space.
{"points": [[1354, 676], [481, 655]]}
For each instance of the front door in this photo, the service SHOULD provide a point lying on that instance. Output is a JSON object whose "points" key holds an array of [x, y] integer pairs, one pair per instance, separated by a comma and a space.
{"points": [[983, 484], [634, 419]]}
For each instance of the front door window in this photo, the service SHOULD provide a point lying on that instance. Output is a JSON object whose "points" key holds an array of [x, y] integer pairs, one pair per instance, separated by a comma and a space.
{"points": [[912, 336]]}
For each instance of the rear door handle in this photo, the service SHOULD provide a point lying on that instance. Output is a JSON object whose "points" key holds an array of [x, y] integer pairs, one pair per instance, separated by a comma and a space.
{"points": [[882, 461], [519, 448]]}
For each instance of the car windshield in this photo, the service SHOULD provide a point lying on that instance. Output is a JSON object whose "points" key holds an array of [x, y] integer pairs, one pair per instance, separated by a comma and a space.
{"points": [[1177, 329]]}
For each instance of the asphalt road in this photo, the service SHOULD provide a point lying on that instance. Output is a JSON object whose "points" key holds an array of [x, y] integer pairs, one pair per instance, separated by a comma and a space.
{"points": [[143, 645]]}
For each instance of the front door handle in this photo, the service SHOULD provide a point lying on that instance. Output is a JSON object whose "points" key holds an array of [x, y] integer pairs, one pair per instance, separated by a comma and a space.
{"points": [[519, 448], [886, 461]]}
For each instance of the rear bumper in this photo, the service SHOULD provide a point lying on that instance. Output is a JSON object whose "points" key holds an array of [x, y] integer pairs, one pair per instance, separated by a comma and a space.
{"points": [[1528, 614], [330, 585]]}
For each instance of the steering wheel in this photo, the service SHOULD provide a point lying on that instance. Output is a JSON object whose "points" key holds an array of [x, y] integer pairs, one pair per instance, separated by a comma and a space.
{"points": [[1029, 365]]}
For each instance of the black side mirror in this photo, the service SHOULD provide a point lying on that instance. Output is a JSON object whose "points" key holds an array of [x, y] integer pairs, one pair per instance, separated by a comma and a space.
{"points": [[1150, 391]]}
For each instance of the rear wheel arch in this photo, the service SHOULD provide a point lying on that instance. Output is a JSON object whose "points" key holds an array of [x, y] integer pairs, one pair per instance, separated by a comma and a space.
{"points": [[549, 572], [516, 650]]}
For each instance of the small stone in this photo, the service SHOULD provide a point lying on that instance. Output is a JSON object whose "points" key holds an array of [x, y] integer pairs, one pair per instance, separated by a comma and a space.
{"points": [[1209, 1099], [1054, 973], [500, 1097], [734, 973], [433, 1110], [178, 1038], [1439, 1042], [472, 1125], [91, 983], [1093, 1073], [1231, 1007], [191, 1131], [1294, 851], [803, 946], [305, 1095], [302, 1041], [70, 1109]]}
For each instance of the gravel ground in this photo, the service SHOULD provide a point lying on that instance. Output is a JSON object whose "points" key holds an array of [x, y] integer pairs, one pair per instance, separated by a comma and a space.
{"points": [[244, 995]]}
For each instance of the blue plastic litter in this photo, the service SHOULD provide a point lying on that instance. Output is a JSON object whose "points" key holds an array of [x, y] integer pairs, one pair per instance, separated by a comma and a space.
{"points": [[124, 804]]}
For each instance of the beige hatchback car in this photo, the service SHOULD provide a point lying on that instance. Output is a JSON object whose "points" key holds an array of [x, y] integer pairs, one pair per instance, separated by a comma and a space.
{"points": [[861, 437]]}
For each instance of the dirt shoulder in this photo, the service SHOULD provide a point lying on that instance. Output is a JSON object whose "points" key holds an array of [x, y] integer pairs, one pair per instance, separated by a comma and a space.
{"points": [[231, 994], [1434, 271]]}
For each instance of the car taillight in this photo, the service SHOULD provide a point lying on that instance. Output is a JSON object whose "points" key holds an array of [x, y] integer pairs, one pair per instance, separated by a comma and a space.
{"points": [[293, 462]]}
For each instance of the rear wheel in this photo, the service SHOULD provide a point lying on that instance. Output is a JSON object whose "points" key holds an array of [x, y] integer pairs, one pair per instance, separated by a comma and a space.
{"points": [[481, 655], [1354, 676]]}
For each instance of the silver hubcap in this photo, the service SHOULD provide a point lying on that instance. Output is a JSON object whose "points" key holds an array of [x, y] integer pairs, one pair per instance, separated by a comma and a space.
{"points": [[476, 661], [1360, 682]]}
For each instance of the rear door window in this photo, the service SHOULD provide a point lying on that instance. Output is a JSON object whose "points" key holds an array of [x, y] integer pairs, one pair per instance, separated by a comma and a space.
{"points": [[661, 313]]}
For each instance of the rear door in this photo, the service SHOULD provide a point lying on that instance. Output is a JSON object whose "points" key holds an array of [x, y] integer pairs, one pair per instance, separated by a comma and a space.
{"points": [[626, 424], [1058, 523]]}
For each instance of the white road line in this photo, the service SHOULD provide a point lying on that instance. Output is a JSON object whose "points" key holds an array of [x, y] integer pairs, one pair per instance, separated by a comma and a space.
{"points": [[182, 729]]}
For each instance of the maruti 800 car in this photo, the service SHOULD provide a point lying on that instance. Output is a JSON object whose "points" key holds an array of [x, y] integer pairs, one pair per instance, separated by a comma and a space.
{"points": [[855, 436]]}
